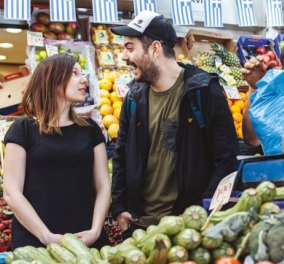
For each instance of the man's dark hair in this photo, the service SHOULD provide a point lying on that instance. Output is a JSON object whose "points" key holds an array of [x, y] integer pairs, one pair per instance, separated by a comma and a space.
{"points": [[147, 41]]}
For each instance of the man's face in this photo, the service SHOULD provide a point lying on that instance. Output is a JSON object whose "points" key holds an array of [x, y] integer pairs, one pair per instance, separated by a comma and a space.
{"points": [[141, 62]]}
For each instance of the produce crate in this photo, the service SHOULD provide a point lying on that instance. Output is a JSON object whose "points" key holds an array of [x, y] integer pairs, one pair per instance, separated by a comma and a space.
{"points": [[198, 40], [13, 88], [254, 170], [181, 50], [247, 48]]}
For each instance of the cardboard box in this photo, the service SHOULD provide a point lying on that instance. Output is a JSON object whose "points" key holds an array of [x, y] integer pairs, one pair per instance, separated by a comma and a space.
{"points": [[198, 40], [181, 48], [254, 41], [13, 87]]}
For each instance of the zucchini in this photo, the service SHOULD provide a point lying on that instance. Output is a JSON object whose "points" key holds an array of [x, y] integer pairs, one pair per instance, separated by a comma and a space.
{"points": [[74, 245], [61, 254], [225, 250], [194, 217], [44, 251], [267, 191], [177, 254], [95, 253], [187, 238], [200, 256], [30, 253]]}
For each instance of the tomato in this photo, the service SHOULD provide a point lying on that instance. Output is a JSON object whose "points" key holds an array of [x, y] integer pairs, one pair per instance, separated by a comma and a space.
{"points": [[2, 226], [227, 260], [264, 262], [260, 50], [271, 54]]}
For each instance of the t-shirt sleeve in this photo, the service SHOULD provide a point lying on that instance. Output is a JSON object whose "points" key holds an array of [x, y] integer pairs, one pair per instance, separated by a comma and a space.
{"points": [[18, 133], [97, 134]]}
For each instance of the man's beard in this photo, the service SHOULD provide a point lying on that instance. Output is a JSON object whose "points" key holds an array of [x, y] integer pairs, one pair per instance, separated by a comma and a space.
{"points": [[148, 70]]}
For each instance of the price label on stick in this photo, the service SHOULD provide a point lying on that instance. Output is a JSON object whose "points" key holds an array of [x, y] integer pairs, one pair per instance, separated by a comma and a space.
{"points": [[35, 39], [232, 92], [121, 86], [51, 50], [223, 193]]}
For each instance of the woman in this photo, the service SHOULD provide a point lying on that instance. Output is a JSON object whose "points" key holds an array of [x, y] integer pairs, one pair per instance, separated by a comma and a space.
{"points": [[56, 179]]}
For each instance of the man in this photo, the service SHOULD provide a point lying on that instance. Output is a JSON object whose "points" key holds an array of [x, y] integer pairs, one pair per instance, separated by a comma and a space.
{"points": [[253, 71], [163, 160]]}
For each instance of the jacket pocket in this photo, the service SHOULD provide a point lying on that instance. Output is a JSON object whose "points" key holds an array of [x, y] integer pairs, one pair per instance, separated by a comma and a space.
{"points": [[169, 134]]}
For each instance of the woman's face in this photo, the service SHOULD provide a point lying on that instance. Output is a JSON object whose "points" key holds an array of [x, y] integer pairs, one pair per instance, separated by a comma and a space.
{"points": [[76, 87]]}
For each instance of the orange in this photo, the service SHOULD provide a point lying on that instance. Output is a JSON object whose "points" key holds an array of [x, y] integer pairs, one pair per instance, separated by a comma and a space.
{"points": [[237, 125], [240, 103], [116, 112], [235, 109], [103, 48], [105, 83], [237, 117], [114, 97], [100, 27], [104, 93], [243, 96], [114, 87], [113, 75], [240, 132], [113, 130], [106, 109], [105, 100], [230, 102], [117, 104], [108, 120]]}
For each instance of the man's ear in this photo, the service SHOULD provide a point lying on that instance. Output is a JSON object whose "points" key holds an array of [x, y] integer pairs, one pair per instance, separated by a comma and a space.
{"points": [[156, 48]]}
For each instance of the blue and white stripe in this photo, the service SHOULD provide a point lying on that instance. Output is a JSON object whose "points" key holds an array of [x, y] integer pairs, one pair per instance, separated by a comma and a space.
{"points": [[141, 5], [182, 12], [105, 11], [62, 10], [246, 13], [274, 13], [213, 13], [17, 9]]}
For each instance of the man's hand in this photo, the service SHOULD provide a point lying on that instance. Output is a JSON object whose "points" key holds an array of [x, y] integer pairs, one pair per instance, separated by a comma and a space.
{"points": [[124, 219], [255, 69]]}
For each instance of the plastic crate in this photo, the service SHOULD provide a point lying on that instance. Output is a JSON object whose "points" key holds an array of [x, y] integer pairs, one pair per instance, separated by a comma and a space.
{"points": [[257, 169], [2, 257]]}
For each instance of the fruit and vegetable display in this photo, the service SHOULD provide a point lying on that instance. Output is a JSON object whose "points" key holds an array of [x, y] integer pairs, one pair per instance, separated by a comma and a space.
{"points": [[54, 30], [253, 226], [6, 216]]}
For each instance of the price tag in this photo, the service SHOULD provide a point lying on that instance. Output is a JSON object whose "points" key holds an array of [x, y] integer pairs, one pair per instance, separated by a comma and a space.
{"points": [[118, 40], [232, 92], [218, 62], [120, 61], [101, 37], [121, 86], [223, 192], [35, 39], [107, 58], [51, 50], [2, 130]]}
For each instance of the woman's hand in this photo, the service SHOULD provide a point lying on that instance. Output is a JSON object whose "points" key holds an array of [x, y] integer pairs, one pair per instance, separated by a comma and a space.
{"points": [[50, 238], [89, 237]]}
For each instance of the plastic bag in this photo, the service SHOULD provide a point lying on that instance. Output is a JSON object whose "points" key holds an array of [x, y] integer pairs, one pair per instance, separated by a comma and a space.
{"points": [[267, 111]]}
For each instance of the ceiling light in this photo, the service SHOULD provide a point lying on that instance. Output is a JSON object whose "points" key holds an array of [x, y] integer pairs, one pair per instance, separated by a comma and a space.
{"points": [[14, 30], [2, 57], [6, 45]]}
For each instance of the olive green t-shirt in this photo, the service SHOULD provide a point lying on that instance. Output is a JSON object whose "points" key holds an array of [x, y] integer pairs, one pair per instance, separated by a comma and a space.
{"points": [[159, 188]]}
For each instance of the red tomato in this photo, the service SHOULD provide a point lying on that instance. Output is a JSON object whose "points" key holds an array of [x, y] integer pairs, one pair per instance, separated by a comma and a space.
{"points": [[227, 260], [260, 50], [264, 262], [2, 226]]}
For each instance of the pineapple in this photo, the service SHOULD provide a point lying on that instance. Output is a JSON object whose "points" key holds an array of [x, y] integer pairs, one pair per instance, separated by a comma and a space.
{"points": [[209, 69], [230, 59], [236, 72], [205, 59]]}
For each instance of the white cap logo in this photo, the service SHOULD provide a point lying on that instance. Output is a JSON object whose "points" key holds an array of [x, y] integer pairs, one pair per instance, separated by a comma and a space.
{"points": [[142, 20]]}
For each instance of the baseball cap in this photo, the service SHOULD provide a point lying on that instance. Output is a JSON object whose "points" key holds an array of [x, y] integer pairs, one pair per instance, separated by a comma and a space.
{"points": [[150, 24]]}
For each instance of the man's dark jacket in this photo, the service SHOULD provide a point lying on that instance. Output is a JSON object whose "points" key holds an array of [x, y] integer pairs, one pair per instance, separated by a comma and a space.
{"points": [[203, 156]]}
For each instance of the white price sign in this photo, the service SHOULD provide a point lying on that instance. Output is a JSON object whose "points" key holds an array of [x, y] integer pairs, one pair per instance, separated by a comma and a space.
{"points": [[223, 193], [232, 92], [2, 130], [121, 86], [51, 50], [35, 39]]}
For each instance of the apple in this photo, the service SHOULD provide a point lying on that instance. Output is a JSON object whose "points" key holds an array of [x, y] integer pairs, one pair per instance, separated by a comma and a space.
{"points": [[43, 54], [38, 27], [43, 18], [260, 50], [56, 27], [271, 54], [65, 36], [49, 35], [71, 28]]}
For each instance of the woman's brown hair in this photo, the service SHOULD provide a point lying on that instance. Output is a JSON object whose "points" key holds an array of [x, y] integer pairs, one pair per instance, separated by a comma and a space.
{"points": [[40, 100]]}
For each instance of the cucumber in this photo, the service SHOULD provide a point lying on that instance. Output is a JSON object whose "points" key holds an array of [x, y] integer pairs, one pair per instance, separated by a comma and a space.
{"points": [[60, 254]]}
